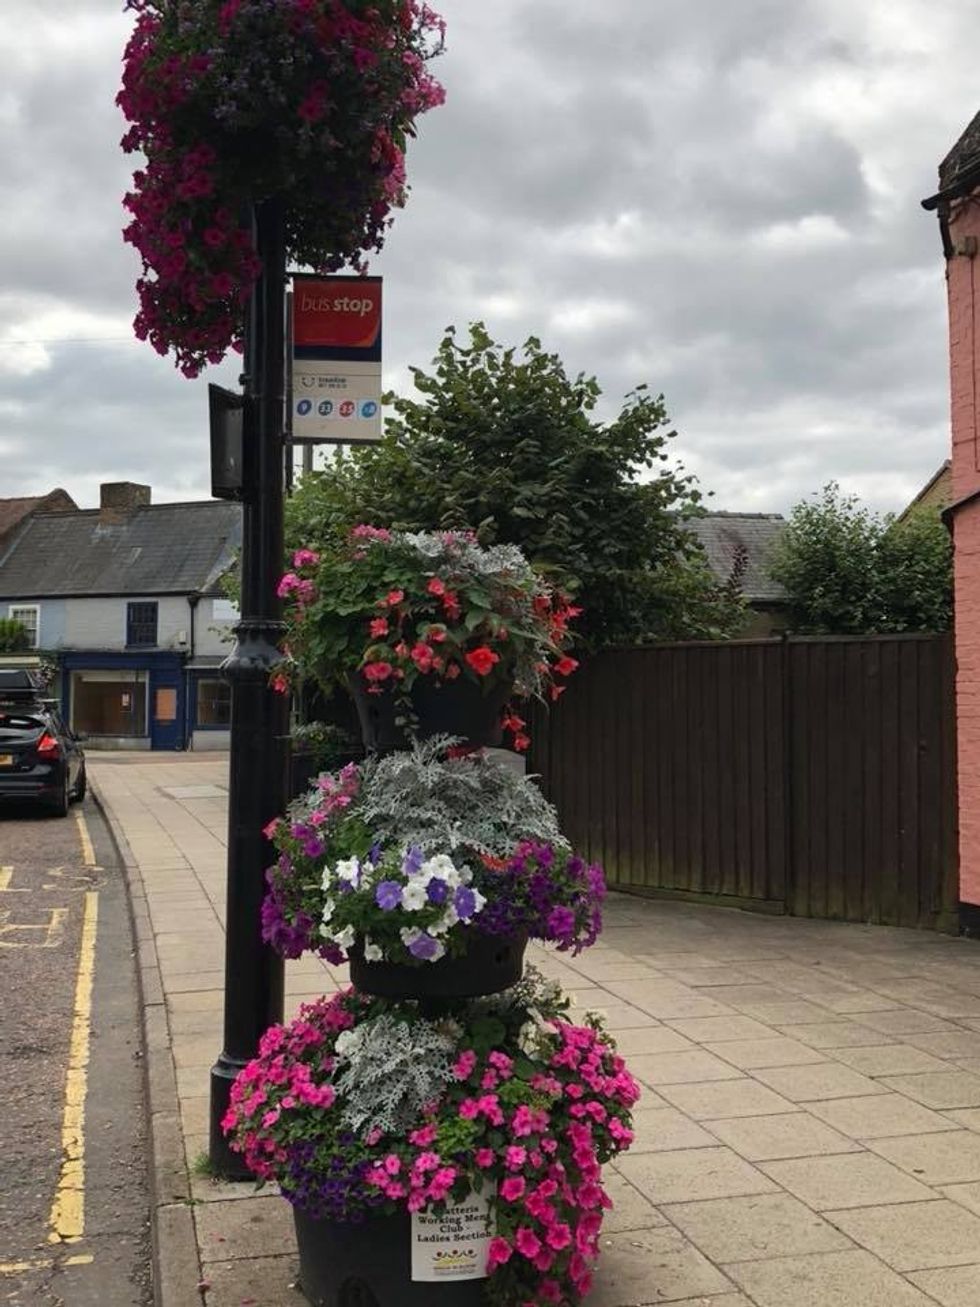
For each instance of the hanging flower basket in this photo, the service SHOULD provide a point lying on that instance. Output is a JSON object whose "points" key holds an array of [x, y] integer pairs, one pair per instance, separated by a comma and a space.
{"points": [[431, 631], [363, 1112], [235, 101]]}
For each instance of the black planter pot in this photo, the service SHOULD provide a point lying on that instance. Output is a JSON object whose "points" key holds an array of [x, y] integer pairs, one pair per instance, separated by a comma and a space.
{"points": [[489, 965], [370, 1265], [457, 707]]}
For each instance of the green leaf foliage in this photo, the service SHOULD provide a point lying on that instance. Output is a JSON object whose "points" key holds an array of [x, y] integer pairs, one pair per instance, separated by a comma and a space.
{"points": [[849, 571], [14, 637], [504, 441]]}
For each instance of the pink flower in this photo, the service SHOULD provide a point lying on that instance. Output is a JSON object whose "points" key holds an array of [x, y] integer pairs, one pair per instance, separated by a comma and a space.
{"points": [[379, 627], [558, 1237], [394, 597], [436, 587], [512, 1188], [392, 1164], [484, 1157], [498, 1253], [527, 1242], [515, 1157], [464, 1064], [424, 1136]]}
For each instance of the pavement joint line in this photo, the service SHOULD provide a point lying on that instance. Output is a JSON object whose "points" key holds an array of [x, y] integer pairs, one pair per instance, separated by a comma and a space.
{"points": [[67, 1218], [88, 851], [45, 1264]]}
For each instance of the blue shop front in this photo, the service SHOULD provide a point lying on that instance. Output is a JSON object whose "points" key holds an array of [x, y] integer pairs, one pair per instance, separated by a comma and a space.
{"points": [[126, 700]]}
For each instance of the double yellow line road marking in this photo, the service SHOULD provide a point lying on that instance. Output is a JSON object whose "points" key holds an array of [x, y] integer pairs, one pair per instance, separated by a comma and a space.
{"points": [[67, 1218]]}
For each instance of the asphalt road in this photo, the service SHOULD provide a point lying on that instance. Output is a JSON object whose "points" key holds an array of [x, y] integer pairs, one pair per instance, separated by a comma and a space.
{"points": [[74, 1203]]}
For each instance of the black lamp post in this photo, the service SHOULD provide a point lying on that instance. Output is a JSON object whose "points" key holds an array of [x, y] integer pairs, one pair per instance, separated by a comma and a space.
{"points": [[259, 716]]}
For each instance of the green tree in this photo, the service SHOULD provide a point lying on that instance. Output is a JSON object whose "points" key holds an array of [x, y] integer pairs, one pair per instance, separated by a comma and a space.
{"points": [[507, 443], [849, 571], [14, 636]]}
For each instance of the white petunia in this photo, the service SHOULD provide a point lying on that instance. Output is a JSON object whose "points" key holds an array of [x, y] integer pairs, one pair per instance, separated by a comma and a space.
{"points": [[349, 871], [328, 907], [372, 953], [414, 896], [345, 937]]}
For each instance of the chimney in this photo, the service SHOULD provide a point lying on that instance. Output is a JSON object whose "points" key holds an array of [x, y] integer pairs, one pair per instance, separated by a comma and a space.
{"points": [[120, 499]]}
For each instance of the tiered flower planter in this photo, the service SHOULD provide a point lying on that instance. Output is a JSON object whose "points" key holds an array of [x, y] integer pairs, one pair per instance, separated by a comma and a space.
{"points": [[428, 868]]}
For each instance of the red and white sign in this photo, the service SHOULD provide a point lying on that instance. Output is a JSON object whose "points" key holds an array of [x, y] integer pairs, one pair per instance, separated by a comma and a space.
{"points": [[337, 313], [336, 373]]}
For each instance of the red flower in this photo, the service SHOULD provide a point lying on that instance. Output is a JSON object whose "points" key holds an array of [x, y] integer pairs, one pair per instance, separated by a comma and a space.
{"points": [[482, 660], [422, 656], [452, 671], [522, 743], [394, 597], [557, 691], [379, 627], [436, 587], [450, 602], [280, 684], [379, 671], [566, 665]]}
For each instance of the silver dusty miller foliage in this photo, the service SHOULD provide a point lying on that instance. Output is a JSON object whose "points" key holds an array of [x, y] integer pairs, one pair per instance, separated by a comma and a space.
{"points": [[420, 797], [391, 1069]]}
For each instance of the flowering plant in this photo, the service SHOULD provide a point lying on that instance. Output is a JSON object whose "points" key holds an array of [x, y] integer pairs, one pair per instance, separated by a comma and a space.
{"points": [[358, 1107], [234, 101], [412, 851], [393, 607]]}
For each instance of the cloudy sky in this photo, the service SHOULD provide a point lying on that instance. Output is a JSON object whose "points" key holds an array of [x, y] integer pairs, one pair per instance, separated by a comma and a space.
{"points": [[721, 200]]}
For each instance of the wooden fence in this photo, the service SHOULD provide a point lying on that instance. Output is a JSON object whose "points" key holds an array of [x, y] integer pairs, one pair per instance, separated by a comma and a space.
{"points": [[810, 776]]}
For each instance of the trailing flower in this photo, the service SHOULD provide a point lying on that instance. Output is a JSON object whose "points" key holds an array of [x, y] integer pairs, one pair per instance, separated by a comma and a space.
{"points": [[234, 101], [392, 608], [527, 1113], [412, 853]]}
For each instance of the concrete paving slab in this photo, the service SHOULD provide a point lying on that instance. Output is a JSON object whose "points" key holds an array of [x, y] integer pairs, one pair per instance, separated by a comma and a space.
{"points": [[769, 1138], [690, 1174], [845, 1180], [763, 1225], [878, 1116], [844, 1279], [952, 1157], [652, 1266], [953, 1286], [914, 1236]]}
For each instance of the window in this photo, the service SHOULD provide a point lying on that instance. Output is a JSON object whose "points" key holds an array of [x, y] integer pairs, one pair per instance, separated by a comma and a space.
{"points": [[141, 624], [109, 703], [213, 703], [29, 616]]}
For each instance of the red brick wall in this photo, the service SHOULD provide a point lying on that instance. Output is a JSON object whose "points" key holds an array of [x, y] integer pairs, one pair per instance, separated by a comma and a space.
{"points": [[963, 277]]}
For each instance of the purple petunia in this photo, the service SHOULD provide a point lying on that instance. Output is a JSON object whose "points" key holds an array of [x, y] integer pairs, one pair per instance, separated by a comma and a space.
{"points": [[388, 895], [464, 901], [424, 947], [414, 858], [436, 890]]}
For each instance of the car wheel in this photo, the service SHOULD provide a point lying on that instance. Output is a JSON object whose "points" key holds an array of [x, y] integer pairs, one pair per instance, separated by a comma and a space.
{"points": [[59, 806], [80, 786]]}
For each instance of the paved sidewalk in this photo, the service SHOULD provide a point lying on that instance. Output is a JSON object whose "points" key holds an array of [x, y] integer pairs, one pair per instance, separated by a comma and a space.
{"points": [[809, 1135]]}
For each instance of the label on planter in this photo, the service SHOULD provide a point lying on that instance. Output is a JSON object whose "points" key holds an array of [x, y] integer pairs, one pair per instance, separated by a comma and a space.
{"points": [[452, 1246]]}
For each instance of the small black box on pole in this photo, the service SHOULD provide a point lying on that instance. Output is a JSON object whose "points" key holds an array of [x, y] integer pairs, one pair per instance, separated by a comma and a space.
{"points": [[227, 417]]}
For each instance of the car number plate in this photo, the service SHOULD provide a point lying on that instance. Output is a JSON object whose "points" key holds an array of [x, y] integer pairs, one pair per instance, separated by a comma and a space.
{"points": [[6, 759]]}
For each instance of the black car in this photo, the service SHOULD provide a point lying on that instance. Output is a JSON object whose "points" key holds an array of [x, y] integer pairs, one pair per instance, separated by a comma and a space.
{"points": [[40, 758]]}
